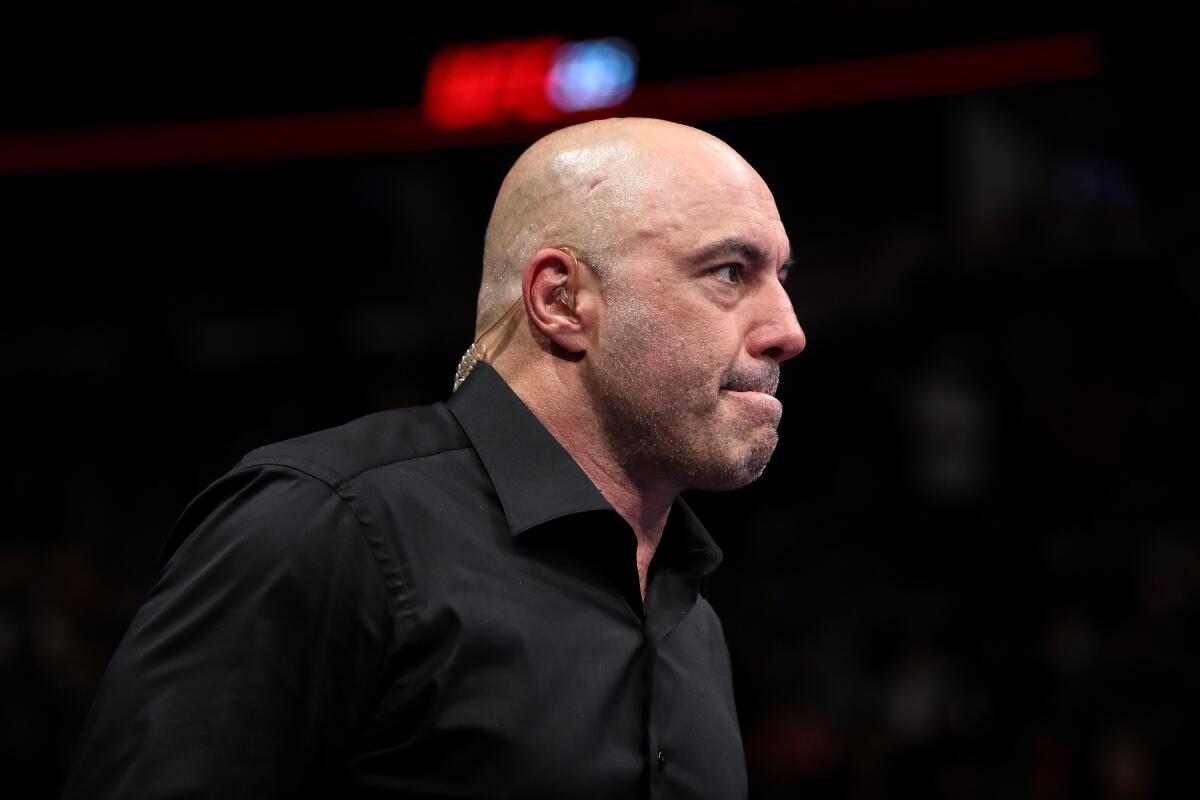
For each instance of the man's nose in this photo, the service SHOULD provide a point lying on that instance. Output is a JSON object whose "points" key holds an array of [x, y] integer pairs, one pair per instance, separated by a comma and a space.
{"points": [[778, 335]]}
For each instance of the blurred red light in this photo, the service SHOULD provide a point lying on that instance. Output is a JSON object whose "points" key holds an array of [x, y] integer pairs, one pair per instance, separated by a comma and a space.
{"points": [[470, 86]]}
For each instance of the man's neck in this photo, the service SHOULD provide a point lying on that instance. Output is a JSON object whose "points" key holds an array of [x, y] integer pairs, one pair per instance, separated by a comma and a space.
{"points": [[643, 508], [643, 504]]}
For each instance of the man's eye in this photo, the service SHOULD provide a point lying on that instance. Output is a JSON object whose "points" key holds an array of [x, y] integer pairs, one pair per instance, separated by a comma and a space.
{"points": [[728, 273]]}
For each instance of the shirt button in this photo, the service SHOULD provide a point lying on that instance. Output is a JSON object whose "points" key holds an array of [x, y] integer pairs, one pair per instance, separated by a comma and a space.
{"points": [[662, 761]]}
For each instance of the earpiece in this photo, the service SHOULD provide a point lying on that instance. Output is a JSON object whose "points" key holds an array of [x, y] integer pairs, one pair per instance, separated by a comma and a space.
{"points": [[567, 293], [479, 352], [566, 300]]}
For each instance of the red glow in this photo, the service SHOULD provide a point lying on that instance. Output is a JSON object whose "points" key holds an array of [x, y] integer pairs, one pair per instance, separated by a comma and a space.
{"points": [[473, 86], [517, 117]]}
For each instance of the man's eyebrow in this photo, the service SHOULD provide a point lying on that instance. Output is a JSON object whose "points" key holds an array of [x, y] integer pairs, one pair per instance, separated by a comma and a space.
{"points": [[736, 246], [729, 246]]}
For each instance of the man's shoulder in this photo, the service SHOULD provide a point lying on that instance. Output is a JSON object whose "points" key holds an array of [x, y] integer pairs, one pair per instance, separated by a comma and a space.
{"points": [[342, 453], [307, 471]]}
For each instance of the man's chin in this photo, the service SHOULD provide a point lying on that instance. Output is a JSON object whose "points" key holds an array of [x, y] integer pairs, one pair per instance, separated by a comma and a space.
{"points": [[740, 466]]}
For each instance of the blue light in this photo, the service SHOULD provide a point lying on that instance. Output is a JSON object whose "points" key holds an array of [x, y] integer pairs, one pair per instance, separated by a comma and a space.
{"points": [[596, 73]]}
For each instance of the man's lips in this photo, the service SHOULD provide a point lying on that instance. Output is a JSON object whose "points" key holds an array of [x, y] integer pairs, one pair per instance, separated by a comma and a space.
{"points": [[753, 387], [762, 402], [761, 388], [760, 378]]}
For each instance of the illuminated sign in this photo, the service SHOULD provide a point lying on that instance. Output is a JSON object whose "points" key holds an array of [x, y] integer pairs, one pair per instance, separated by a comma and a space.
{"points": [[533, 81]]}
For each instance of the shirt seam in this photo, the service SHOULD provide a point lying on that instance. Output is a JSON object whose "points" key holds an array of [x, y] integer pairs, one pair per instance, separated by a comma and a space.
{"points": [[396, 607], [336, 480], [398, 610]]}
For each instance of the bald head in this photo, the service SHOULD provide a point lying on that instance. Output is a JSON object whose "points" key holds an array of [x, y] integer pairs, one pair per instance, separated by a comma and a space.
{"points": [[585, 186]]}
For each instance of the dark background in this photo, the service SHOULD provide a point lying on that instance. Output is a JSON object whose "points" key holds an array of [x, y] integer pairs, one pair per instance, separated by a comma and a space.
{"points": [[971, 569]]}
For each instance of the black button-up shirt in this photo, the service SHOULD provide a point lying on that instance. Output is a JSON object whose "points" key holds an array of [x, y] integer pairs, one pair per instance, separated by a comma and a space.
{"points": [[430, 602]]}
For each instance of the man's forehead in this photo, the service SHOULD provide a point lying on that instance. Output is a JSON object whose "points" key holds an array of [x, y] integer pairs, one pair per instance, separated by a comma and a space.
{"points": [[709, 220], [698, 232]]}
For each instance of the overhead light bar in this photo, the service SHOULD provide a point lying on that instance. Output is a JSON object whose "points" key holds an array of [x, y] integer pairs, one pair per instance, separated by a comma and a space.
{"points": [[545, 86]]}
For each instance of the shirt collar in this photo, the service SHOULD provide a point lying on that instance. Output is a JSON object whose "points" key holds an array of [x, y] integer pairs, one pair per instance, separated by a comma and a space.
{"points": [[537, 480]]}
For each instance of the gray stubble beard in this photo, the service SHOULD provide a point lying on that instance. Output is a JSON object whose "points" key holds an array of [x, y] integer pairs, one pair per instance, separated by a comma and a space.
{"points": [[646, 421]]}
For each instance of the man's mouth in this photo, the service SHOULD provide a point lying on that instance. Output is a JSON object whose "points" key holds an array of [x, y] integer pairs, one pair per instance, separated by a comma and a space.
{"points": [[761, 388], [755, 403], [737, 379], [754, 389]]}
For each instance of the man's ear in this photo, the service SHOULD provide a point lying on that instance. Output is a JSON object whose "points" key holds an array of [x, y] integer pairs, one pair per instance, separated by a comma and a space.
{"points": [[552, 310]]}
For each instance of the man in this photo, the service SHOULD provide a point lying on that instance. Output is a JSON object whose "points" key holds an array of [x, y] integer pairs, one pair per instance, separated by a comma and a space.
{"points": [[498, 596]]}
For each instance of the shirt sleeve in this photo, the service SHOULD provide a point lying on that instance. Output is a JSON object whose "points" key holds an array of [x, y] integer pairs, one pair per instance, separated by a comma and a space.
{"points": [[254, 658]]}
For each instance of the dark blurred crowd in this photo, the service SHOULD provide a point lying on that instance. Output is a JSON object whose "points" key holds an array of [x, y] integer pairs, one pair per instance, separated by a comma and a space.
{"points": [[972, 570]]}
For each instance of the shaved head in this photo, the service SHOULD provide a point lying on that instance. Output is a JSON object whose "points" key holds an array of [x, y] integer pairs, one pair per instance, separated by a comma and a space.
{"points": [[585, 186]]}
